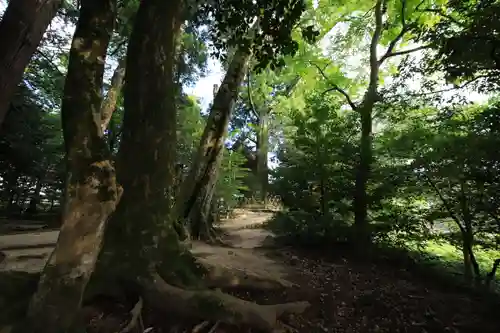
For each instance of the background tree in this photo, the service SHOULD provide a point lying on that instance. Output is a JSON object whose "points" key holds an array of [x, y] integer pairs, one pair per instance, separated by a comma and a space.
{"points": [[22, 27]]}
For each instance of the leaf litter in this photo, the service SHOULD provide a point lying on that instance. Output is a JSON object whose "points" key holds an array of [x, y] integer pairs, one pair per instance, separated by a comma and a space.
{"points": [[346, 295]]}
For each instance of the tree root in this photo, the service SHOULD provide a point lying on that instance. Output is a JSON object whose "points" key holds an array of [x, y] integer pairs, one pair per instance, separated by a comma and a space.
{"points": [[215, 305], [136, 320], [229, 267], [224, 277]]}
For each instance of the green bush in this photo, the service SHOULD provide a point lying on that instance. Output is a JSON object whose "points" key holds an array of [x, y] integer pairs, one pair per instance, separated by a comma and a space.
{"points": [[309, 228]]}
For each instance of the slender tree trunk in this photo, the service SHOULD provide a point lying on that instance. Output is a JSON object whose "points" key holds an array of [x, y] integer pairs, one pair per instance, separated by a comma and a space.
{"points": [[197, 190], [91, 189], [10, 188], [365, 111], [111, 99], [467, 264], [200, 214], [262, 152], [471, 267], [21, 30], [322, 189], [142, 223], [35, 198], [363, 174], [491, 274]]}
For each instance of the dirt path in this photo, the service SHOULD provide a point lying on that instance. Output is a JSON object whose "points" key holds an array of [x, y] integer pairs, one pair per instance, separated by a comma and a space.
{"points": [[346, 295], [245, 253], [29, 251]]}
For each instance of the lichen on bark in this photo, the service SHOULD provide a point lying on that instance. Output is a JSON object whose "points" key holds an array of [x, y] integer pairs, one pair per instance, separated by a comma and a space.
{"points": [[91, 188]]}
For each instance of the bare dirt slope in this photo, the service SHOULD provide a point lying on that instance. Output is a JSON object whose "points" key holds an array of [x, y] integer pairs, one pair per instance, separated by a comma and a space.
{"points": [[244, 258]]}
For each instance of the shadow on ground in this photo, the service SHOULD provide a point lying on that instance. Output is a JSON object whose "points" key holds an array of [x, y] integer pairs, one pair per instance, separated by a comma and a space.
{"points": [[347, 294]]}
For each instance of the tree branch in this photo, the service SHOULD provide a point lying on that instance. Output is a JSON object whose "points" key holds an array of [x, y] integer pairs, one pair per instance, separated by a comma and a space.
{"points": [[335, 87], [443, 90], [380, 7], [446, 16], [403, 52], [109, 102], [446, 205], [392, 44], [118, 47], [250, 99], [50, 61]]}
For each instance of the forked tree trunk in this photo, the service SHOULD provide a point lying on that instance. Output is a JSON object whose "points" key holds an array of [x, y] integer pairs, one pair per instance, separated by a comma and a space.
{"points": [[366, 110], [91, 188], [198, 188], [21, 30]]}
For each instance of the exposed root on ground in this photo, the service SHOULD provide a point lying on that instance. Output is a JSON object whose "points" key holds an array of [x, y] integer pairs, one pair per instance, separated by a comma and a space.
{"points": [[216, 305], [223, 277]]}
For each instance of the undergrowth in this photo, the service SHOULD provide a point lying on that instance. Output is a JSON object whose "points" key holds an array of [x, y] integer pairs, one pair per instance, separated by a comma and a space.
{"points": [[434, 258]]}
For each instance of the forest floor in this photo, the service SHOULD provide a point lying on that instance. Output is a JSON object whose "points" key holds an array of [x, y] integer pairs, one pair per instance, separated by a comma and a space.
{"points": [[346, 294]]}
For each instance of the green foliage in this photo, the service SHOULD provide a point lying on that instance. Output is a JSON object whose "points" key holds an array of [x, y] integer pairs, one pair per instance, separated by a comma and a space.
{"points": [[435, 170], [31, 151], [466, 41], [310, 229], [190, 125], [231, 180], [230, 20], [316, 169]]}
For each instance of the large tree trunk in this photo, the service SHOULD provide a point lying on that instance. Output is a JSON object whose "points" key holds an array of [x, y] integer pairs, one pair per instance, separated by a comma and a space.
{"points": [[198, 188], [142, 222], [143, 246], [21, 30], [91, 188]]}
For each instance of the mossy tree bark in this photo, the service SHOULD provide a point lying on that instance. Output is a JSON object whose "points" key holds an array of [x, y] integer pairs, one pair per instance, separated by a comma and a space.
{"points": [[91, 188], [142, 223], [21, 30], [198, 188]]}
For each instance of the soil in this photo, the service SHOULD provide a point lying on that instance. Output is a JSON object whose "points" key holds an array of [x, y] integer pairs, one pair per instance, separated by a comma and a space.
{"points": [[346, 294]]}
